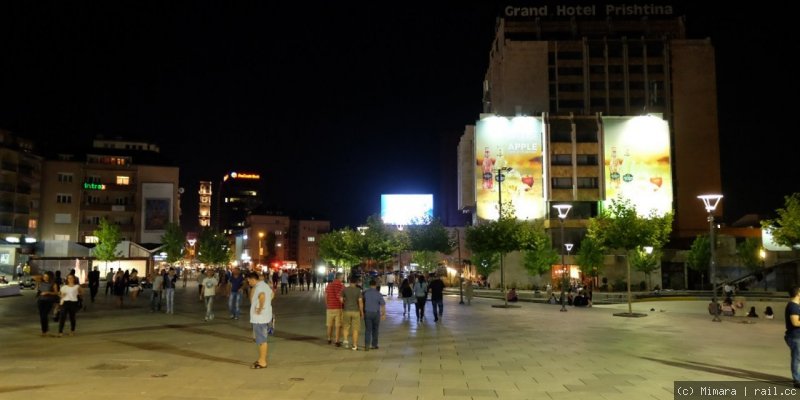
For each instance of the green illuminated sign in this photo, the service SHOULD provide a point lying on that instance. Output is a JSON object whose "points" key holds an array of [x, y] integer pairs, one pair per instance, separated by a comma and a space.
{"points": [[94, 186]]}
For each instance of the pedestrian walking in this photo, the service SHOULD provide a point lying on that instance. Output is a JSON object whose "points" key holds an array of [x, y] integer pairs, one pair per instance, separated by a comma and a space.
{"points": [[210, 283], [235, 296], [169, 289], [333, 313], [390, 283], [468, 291], [47, 295], [69, 292], [94, 283], [260, 316], [374, 313], [407, 294], [421, 294], [284, 282], [353, 311], [792, 336], [158, 287], [436, 287]]}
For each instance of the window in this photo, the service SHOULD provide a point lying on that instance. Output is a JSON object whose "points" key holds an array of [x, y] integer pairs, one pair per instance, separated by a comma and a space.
{"points": [[33, 223], [587, 159], [312, 239], [64, 177], [587, 183], [63, 198], [64, 218], [562, 159], [61, 237], [92, 199], [91, 239], [123, 180], [562, 183]]}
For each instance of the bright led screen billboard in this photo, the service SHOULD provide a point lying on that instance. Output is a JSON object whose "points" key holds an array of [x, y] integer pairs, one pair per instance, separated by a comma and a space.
{"points": [[406, 209], [514, 144], [637, 162]]}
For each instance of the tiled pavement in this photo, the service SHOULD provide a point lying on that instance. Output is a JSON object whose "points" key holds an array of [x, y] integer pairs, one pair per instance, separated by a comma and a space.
{"points": [[476, 352]]}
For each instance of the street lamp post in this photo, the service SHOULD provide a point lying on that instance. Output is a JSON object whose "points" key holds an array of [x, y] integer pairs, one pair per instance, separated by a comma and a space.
{"points": [[460, 269], [563, 210], [500, 177], [711, 201], [762, 254]]}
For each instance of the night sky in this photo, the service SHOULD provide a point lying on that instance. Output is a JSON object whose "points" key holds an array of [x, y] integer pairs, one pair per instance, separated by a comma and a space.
{"points": [[335, 104]]}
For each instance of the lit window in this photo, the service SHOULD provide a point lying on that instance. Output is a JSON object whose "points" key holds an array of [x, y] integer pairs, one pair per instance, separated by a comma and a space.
{"points": [[91, 239], [123, 180], [311, 238], [33, 223]]}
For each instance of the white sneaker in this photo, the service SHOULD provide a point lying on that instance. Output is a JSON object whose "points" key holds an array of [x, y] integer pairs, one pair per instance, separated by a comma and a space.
{"points": [[346, 343]]}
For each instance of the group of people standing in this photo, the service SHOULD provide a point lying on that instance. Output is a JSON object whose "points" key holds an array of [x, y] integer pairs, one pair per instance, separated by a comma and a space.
{"points": [[346, 307], [64, 297], [415, 289]]}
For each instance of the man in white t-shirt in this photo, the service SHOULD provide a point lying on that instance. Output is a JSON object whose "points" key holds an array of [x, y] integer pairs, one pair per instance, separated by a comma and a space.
{"points": [[260, 315], [390, 282], [209, 286]]}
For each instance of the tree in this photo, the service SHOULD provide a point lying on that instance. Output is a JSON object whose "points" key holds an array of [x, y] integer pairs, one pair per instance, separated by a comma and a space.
{"points": [[644, 262], [214, 248], [108, 238], [699, 256], [336, 247], [431, 236], [538, 254], [501, 237], [590, 256], [786, 228], [748, 253], [174, 242], [485, 263], [620, 228]]}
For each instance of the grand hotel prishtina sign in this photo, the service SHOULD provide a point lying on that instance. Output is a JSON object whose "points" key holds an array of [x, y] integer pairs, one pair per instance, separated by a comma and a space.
{"points": [[589, 11], [508, 155]]}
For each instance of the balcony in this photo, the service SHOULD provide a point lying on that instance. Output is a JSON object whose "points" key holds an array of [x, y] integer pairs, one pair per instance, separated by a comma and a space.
{"points": [[91, 227], [7, 187], [109, 207]]}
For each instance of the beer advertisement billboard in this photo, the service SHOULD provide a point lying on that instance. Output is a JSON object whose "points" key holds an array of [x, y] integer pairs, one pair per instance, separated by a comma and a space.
{"points": [[636, 151], [513, 145]]}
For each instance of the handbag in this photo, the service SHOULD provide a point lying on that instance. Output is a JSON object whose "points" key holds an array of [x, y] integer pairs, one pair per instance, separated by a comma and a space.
{"points": [[57, 312]]}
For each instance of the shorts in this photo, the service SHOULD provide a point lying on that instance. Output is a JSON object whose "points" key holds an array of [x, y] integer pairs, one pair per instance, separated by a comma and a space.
{"points": [[260, 333], [333, 318], [351, 318]]}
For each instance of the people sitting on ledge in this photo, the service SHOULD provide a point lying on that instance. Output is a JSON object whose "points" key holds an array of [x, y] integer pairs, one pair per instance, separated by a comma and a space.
{"points": [[580, 300], [768, 314], [512, 295], [727, 308], [3, 279], [714, 308], [752, 313], [552, 299]]}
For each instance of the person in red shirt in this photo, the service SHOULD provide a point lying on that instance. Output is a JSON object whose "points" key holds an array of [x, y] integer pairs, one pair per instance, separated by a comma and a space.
{"points": [[333, 300]]}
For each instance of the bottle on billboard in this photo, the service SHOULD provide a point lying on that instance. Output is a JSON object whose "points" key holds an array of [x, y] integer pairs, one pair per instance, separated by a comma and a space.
{"points": [[613, 167], [627, 165], [487, 167]]}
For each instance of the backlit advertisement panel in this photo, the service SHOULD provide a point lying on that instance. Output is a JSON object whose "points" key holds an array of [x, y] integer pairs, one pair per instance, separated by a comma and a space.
{"points": [[406, 209], [515, 144], [637, 162]]}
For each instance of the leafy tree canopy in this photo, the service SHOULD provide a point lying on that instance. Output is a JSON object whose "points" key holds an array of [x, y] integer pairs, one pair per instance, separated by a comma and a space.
{"points": [[213, 248], [174, 242], [699, 256], [108, 237], [785, 228]]}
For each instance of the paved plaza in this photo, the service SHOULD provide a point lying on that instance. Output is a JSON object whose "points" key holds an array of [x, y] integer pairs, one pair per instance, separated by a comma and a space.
{"points": [[475, 352]]}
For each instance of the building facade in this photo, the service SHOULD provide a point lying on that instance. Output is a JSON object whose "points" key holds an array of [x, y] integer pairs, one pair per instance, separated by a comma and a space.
{"points": [[204, 207], [239, 193], [304, 241], [126, 186], [575, 71]]}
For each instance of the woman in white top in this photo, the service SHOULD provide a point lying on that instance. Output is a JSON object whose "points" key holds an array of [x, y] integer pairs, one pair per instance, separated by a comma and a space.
{"points": [[69, 304]]}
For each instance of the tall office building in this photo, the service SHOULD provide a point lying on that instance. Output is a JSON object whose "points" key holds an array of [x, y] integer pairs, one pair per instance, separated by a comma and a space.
{"points": [[126, 182], [575, 66], [239, 193], [304, 241]]}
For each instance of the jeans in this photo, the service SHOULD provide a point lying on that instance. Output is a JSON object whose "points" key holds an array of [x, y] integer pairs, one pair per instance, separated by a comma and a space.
{"points": [[68, 309], [794, 344], [209, 307], [170, 295], [45, 306], [390, 286], [155, 300], [438, 308], [233, 303], [420, 307], [372, 320]]}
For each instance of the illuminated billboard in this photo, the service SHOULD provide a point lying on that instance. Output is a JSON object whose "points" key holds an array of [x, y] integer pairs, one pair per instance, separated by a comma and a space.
{"points": [[637, 162], [406, 209], [514, 144]]}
